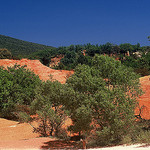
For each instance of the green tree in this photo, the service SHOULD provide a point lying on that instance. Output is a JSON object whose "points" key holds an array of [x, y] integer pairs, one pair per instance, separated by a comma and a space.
{"points": [[6, 103], [126, 47], [47, 105], [44, 55], [17, 86], [69, 60], [5, 54], [139, 64], [107, 48], [20, 47], [103, 98]]}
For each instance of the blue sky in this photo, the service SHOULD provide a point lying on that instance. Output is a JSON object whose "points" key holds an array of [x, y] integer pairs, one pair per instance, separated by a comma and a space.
{"points": [[65, 22]]}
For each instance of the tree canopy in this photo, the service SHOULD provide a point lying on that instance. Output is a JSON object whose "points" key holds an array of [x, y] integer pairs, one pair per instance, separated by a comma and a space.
{"points": [[20, 47], [103, 97], [17, 86], [5, 54]]}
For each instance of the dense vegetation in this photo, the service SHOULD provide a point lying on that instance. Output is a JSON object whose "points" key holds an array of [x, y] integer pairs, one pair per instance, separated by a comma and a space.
{"points": [[20, 47], [5, 54], [16, 88], [100, 99], [130, 55], [138, 59], [102, 104]]}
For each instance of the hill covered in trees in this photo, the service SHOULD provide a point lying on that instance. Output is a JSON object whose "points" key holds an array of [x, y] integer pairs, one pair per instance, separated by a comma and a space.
{"points": [[20, 47], [133, 56]]}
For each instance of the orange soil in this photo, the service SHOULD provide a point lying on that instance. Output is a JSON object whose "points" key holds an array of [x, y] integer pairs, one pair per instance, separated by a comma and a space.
{"points": [[39, 69], [37, 143], [11, 130], [144, 100], [17, 136], [20, 136]]}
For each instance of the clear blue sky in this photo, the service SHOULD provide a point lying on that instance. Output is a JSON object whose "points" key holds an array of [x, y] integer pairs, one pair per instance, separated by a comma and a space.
{"points": [[65, 22]]}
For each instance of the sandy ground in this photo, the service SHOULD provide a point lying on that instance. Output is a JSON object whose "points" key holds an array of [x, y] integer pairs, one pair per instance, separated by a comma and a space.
{"points": [[15, 136], [125, 147], [44, 143], [20, 136], [12, 130]]}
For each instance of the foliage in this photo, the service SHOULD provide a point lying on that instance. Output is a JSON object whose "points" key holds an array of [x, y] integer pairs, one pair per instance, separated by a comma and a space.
{"points": [[5, 54], [69, 60], [140, 65], [44, 55], [83, 54], [126, 47], [20, 47], [142, 137], [16, 88], [104, 98], [48, 108]]}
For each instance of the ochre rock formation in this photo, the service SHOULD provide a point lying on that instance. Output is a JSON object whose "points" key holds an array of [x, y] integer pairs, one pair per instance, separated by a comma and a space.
{"points": [[144, 100], [39, 69]]}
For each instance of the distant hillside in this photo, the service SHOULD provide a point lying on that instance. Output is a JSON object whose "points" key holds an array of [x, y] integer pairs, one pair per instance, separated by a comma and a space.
{"points": [[20, 47]]}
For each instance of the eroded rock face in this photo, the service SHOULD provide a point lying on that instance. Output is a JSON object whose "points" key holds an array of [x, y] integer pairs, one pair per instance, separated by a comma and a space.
{"points": [[144, 100], [39, 69]]}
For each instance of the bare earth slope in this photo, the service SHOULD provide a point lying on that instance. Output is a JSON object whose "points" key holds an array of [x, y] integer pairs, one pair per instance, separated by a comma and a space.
{"points": [[38, 68], [10, 130], [144, 100]]}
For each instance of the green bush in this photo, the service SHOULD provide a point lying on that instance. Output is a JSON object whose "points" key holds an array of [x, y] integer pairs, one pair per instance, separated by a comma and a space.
{"points": [[17, 86]]}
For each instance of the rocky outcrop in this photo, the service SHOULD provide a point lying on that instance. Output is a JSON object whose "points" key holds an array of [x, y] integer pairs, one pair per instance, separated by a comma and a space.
{"points": [[144, 100]]}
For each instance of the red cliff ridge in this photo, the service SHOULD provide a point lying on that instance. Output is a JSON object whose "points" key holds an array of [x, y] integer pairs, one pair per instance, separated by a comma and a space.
{"points": [[39, 69]]}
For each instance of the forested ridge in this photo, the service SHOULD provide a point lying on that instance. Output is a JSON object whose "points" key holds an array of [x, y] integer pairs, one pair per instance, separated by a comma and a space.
{"points": [[20, 47]]}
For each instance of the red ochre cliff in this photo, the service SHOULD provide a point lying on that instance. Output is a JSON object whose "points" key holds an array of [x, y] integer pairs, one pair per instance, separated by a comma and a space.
{"points": [[144, 100], [39, 69]]}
